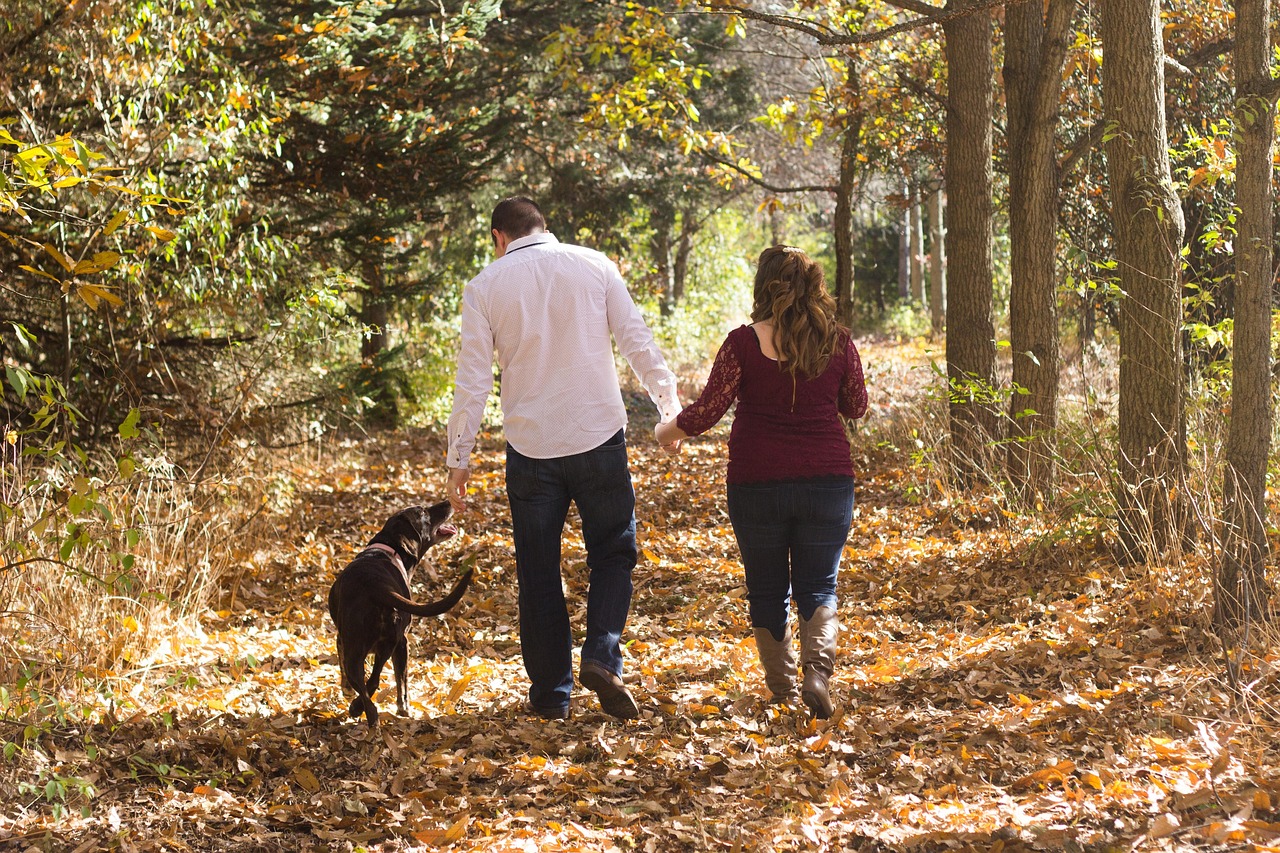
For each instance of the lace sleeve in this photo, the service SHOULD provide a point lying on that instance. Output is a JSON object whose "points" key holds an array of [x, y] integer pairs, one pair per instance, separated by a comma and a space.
{"points": [[718, 395], [853, 389]]}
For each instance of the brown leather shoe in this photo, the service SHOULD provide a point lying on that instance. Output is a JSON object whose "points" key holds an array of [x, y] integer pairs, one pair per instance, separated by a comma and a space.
{"points": [[615, 699]]}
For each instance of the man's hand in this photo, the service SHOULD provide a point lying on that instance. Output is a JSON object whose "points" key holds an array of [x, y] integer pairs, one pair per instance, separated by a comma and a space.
{"points": [[669, 436], [458, 488]]}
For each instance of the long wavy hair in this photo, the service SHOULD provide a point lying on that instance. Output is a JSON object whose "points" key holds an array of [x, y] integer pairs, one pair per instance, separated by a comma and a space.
{"points": [[791, 292]]}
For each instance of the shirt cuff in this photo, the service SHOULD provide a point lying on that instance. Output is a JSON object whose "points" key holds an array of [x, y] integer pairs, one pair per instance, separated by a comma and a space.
{"points": [[456, 459], [665, 398]]}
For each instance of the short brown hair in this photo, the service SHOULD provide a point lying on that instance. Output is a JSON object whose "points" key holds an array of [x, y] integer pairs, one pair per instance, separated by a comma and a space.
{"points": [[518, 217]]}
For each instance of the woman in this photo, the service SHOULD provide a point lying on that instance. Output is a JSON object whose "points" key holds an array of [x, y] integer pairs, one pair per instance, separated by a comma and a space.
{"points": [[793, 372]]}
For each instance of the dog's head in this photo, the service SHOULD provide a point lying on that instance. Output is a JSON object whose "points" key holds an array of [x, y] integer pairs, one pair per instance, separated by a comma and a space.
{"points": [[413, 530]]}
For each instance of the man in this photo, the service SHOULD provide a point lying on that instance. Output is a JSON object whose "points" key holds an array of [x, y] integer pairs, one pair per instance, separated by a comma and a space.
{"points": [[549, 311]]}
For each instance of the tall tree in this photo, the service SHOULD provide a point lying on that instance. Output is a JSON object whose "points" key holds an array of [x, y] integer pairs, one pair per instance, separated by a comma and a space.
{"points": [[1035, 49], [968, 176], [1148, 223], [937, 264], [917, 243], [1241, 587], [383, 121]]}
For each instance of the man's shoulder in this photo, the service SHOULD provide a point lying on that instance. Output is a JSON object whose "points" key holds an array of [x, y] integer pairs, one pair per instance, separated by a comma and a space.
{"points": [[583, 253]]}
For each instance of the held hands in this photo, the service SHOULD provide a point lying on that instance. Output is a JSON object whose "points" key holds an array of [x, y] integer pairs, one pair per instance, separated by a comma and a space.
{"points": [[670, 437]]}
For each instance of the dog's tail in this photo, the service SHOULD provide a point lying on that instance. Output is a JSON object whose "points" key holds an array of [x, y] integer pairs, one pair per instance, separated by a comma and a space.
{"points": [[434, 608]]}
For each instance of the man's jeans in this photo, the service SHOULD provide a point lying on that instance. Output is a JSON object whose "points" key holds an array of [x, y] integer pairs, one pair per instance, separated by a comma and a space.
{"points": [[539, 491], [791, 534]]}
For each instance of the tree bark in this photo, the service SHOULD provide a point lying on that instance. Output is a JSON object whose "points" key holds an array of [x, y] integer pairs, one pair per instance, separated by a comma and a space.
{"points": [[1241, 589], [904, 244], [1148, 224], [1035, 49], [663, 222], [937, 264], [843, 221], [968, 176], [373, 309], [917, 244], [684, 248]]}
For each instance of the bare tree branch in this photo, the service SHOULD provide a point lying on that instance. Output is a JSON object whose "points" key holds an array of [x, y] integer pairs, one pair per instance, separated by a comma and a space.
{"points": [[828, 37], [1085, 143], [761, 182]]}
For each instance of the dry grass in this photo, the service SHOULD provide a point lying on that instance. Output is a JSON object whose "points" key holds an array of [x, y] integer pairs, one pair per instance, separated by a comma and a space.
{"points": [[88, 595]]}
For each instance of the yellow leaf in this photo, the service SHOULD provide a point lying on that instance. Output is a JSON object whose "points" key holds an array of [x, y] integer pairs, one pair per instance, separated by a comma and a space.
{"points": [[458, 829], [98, 263], [114, 223], [1093, 780], [455, 693], [162, 234], [40, 273], [130, 624], [439, 837], [92, 294], [58, 256], [306, 779], [649, 555], [216, 705]]}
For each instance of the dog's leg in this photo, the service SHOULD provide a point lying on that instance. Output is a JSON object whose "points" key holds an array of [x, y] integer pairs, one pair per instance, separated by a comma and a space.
{"points": [[400, 665], [381, 652], [353, 672]]}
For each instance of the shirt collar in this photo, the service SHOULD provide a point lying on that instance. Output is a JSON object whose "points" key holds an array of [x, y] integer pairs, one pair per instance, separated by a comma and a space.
{"points": [[540, 238]]}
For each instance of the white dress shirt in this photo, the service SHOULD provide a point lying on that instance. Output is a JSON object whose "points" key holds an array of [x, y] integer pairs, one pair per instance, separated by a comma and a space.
{"points": [[550, 311]]}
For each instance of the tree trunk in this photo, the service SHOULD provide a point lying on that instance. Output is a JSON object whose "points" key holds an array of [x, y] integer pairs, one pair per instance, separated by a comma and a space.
{"points": [[917, 244], [843, 222], [1035, 49], [663, 222], [684, 248], [1241, 587], [904, 245], [777, 225], [937, 264], [374, 314], [970, 331], [1147, 219], [373, 310]]}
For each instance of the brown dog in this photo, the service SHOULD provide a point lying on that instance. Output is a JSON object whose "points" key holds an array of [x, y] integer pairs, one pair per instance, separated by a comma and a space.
{"points": [[370, 603]]}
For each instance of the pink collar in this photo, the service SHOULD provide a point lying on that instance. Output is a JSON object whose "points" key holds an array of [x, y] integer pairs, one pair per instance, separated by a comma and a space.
{"points": [[395, 558]]}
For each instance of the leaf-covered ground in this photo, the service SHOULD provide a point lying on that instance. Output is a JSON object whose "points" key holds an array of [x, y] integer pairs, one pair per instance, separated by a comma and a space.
{"points": [[1002, 686]]}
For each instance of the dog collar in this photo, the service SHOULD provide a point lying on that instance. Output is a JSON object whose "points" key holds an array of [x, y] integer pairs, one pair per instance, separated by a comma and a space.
{"points": [[395, 558]]}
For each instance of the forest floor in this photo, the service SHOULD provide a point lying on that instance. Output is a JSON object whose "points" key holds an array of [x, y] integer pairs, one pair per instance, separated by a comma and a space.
{"points": [[1003, 685]]}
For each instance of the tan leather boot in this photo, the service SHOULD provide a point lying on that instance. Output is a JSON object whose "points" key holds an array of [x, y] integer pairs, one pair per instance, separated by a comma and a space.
{"points": [[818, 658], [779, 663]]}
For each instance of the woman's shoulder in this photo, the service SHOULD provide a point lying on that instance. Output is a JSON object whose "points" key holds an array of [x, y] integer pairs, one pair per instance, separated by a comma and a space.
{"points": [[739, 336]]}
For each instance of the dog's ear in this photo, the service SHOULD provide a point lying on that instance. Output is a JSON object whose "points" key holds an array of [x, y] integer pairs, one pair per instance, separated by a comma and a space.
{"points": [[405, 531]]}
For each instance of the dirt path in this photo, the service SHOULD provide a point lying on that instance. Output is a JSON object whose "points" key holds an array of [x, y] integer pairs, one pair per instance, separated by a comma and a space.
{"points": [[1002, 687]]}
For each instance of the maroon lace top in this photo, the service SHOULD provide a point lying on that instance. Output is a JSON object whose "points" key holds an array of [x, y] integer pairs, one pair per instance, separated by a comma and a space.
{"points": [[783, 428]]}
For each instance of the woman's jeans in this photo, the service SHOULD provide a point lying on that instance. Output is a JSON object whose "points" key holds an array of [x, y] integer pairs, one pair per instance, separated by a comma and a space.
{"points": [[791, 534], [539, 491]]}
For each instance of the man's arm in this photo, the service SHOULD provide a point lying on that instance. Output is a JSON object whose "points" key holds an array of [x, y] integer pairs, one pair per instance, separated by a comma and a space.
{"points": [[471, 387], [637, 346]]}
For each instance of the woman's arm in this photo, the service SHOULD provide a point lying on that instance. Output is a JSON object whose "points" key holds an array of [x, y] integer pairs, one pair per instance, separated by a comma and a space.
{"points": [[853, 390], [716, 398]]}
